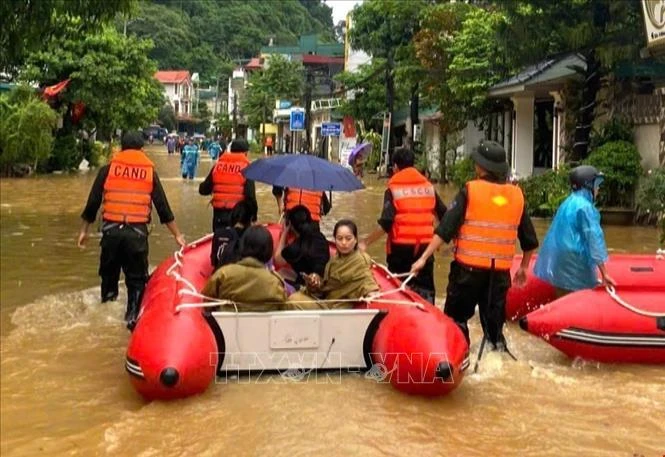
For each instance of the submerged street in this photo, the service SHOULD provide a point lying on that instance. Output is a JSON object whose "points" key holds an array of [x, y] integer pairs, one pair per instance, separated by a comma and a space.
{"points": [[65, 390]]}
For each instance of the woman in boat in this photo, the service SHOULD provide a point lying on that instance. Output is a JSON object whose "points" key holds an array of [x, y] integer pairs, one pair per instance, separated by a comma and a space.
{"points": [[308, 253], [347, 276], [248, 283]]}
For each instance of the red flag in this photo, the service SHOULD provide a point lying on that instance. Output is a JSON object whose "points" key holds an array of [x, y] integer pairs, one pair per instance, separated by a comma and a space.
{"points": [[52, 91], [349, 127]]}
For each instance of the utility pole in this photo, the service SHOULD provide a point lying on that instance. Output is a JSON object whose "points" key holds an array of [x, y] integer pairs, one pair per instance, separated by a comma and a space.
{"points": [[235, 114], [217, 98], [309, 78]]}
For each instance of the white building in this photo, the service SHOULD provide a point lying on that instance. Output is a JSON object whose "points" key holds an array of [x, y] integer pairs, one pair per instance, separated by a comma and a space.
{"points": [[178, 89]]}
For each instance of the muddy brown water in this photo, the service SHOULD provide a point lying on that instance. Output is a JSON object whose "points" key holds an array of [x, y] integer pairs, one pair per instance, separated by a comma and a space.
{"points": [[64, 390]]}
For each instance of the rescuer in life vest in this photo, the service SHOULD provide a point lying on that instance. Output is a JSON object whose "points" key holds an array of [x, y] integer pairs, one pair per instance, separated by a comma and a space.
{"points": [[486, 218], [316, 202], [127, 188], [410, 206], [228, 186]]}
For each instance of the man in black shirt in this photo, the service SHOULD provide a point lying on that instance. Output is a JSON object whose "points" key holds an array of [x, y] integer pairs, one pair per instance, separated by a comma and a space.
{"points": [[221, 216], [407, 223], [128, 186], [485, 219]]}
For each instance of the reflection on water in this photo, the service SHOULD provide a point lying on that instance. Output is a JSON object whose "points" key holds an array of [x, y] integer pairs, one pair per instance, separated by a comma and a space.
{"points": [[64, 390]]}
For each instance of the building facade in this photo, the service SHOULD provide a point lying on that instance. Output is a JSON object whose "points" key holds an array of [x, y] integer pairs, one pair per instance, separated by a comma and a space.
{"points": [[178, 90]]}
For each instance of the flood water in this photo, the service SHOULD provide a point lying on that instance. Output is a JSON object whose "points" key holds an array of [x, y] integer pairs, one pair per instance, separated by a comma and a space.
{"points": [[64, 390]]}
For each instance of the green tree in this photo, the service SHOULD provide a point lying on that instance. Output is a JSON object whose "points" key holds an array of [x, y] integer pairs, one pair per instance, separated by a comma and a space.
{"points": [[384, 29], [205, 36], [433, 47], [111, 74], [166, 117], [605, 32], [366, 96], [26, 129], [477, 60], [26, 25], [282, 79]]}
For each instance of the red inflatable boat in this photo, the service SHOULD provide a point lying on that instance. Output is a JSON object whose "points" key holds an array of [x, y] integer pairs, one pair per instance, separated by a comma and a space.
{"points": [[180, 345], [627, 326], [630, 271]]}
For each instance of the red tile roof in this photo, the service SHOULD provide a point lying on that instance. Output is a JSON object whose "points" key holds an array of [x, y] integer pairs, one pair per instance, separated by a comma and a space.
{"points": [[254, 63], [317, 59], [172, 77]]}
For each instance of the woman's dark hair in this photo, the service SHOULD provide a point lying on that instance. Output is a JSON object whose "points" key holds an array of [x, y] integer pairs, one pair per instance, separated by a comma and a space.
{"points": [[256, 242], [244, 213], [300, 220], [346, 223]]}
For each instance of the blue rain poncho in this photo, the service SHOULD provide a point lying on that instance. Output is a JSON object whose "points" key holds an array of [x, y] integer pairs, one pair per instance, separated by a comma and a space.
{"points": [[574, 245], [190, 160], [213, 150]]}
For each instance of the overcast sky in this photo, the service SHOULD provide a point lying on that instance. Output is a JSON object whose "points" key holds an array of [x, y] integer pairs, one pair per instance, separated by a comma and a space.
{"points": [[341, 8]]}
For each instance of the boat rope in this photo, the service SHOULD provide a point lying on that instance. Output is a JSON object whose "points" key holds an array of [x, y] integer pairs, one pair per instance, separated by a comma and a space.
{"points": [[209, 302], [612, 292]]}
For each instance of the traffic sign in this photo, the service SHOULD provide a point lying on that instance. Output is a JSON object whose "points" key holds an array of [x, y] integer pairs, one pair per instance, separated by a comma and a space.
{"points": [[331, 129], [297, 120]]}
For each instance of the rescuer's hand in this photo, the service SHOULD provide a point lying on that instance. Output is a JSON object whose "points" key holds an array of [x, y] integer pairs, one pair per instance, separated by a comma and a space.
{"points": [[418, 265], [83, 237], [520, 277]]}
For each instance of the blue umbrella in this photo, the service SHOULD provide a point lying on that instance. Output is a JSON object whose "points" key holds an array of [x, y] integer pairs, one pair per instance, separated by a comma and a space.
{"points": [[302, 171]]}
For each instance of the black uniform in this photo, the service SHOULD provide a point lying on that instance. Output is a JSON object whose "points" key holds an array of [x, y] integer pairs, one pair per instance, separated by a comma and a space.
{"points": [[221, 218], [468, 286], [401, 256], [124, 246]]}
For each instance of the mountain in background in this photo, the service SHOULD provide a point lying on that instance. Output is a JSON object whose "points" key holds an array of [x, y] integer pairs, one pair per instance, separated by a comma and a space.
{"points": [[212, 36]]}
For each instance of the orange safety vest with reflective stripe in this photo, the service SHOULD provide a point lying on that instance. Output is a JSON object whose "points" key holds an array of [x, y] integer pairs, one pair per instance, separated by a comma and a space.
{"points": [[414, 199], [128, 187], [310, 199], [489, 231], [228, 183]]}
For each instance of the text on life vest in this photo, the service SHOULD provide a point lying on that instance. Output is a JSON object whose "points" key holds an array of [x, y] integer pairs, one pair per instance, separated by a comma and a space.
{"points": [[415, 191], [130, 172], [229, 167]]}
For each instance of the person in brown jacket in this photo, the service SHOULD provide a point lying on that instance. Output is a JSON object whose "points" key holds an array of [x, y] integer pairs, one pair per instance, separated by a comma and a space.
{"points": [[248, 283]]}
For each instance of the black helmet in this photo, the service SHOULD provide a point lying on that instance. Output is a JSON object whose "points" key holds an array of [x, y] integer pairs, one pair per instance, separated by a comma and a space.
{"points": [[584, 176]]}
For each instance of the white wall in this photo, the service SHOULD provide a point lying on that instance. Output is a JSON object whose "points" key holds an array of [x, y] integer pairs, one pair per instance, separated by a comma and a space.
{"points": [[647, 140]]}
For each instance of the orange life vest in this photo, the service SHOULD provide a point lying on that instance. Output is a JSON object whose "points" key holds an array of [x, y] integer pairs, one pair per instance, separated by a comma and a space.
{"points": [[489, 231], [128, 187], [269, 141], [415, 200], [310, 199], [228, 183]]}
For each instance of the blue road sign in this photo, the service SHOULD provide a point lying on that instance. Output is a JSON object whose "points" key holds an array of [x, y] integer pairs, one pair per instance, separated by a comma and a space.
{"points": [[331, 129], [297, 120]]}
